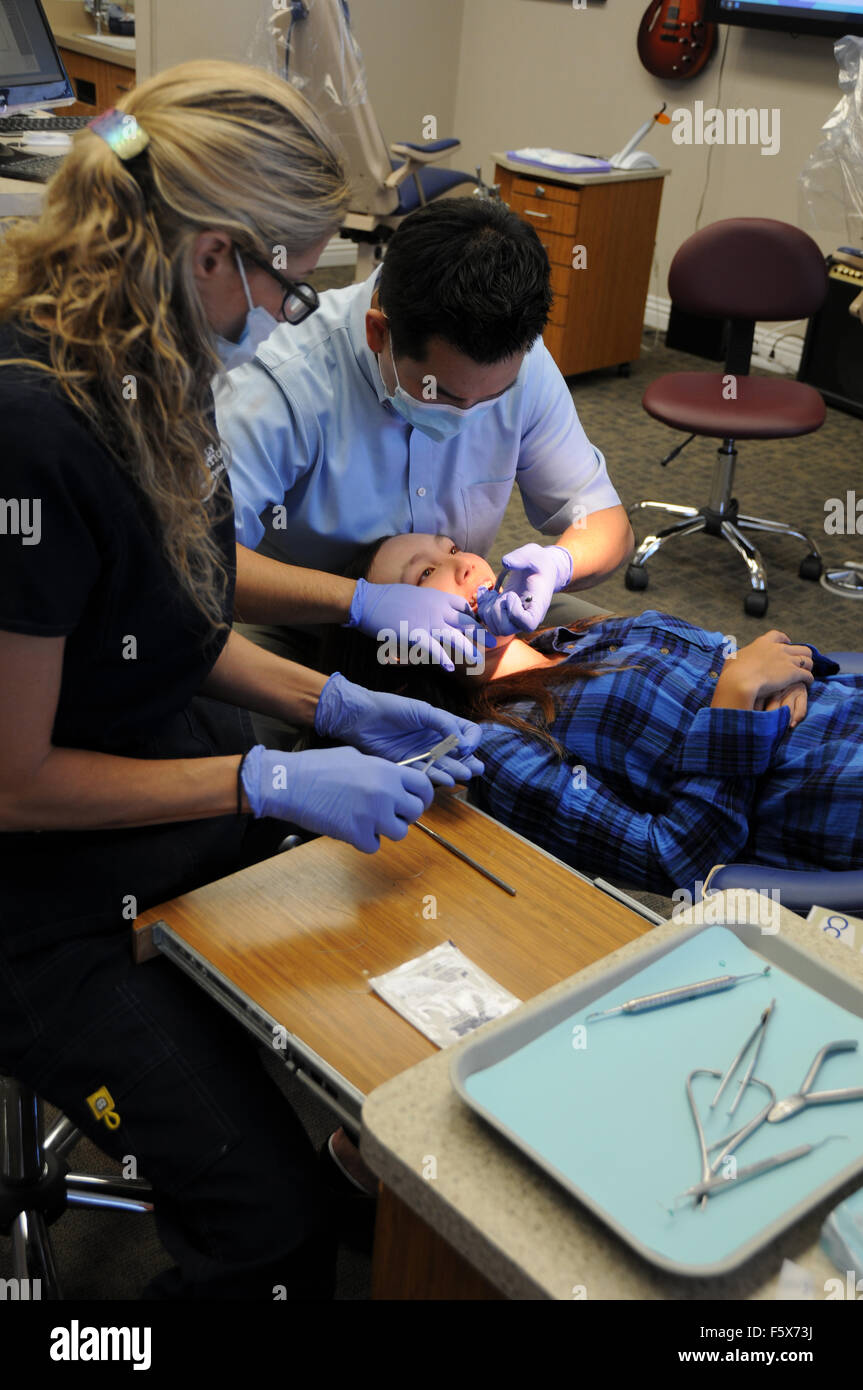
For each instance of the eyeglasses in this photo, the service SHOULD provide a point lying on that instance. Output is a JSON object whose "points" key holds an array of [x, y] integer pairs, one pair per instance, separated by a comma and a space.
{"points": [[300, 299]]}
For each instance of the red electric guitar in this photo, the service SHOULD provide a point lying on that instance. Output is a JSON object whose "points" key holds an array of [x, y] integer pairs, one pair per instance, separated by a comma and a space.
{"points": [[673, 39]]}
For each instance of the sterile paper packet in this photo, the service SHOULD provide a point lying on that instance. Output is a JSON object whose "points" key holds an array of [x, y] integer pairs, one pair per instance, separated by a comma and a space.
{"points": [[444, 994]]}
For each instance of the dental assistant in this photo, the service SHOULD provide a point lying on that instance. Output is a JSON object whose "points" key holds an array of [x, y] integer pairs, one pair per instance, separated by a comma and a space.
{"points": [[128, 773], [415, 402]]}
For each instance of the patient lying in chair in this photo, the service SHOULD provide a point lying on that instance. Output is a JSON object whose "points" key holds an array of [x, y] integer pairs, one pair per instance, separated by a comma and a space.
{"points": [[641, 748]]}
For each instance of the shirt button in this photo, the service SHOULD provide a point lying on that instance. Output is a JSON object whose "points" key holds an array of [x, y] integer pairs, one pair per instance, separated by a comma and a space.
{"points": [[421, 492], [613, 647], [714, 675], [663, 651]]}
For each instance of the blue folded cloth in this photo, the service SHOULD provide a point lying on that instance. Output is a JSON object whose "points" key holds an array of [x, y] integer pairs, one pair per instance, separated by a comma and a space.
{"points": [[821, 665]]}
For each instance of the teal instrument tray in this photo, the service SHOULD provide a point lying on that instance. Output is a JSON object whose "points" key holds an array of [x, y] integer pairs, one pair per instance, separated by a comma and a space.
{"points": [[602, 1106]]}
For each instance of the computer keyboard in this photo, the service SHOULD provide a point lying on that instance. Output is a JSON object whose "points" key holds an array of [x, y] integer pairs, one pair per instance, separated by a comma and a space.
{"points": [[36, 168], [11, 125]]}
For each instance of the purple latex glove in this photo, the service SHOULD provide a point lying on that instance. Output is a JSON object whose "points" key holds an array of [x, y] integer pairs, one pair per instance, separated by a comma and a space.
{"points": [[389, 726], [338, 792], [433, 619], [537, 572]]}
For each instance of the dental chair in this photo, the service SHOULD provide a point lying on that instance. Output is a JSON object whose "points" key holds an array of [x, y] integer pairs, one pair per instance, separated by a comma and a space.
{"points": [[317, 52]]}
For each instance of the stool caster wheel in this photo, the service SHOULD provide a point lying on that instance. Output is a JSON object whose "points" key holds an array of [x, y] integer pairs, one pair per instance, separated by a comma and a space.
{"points": [[636, 578], [810, 567], [755, 604]]}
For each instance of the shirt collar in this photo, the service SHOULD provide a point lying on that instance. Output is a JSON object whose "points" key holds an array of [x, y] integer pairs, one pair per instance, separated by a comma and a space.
{"points": [[366, 359], [557, 639]]}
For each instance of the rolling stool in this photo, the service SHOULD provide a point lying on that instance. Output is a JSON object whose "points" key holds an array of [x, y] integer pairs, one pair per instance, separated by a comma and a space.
{"points": [[744, 269], [36, 1187]]}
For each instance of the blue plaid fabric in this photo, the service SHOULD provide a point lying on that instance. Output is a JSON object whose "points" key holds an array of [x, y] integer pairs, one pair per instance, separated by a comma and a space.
{"points": [[658, 787]]}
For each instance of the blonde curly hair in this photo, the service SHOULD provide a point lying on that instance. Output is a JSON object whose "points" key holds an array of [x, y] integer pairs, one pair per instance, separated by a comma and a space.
{"points": [[106, 274]]}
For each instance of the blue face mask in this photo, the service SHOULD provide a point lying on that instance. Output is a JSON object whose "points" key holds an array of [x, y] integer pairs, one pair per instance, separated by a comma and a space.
{"points": [[437, 421], [258, 327]]}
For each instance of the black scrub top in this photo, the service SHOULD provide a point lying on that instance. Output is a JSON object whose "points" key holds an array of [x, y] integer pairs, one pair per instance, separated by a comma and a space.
{"points": [[83, 559]]}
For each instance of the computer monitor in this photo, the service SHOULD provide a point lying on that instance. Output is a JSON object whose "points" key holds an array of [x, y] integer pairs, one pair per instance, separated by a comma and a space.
{"points": [[31, 70], [826, 17]]}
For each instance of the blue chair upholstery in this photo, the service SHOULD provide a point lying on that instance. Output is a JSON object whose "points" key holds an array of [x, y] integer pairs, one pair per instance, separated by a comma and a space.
{"points": [[435, 183], [800, 889]]}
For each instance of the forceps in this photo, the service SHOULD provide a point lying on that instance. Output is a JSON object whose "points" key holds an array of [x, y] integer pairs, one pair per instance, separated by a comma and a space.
{"points": [[760, 1028], [792, 1105]]}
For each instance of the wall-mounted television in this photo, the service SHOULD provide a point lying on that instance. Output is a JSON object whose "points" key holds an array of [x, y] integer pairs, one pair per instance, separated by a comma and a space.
{"points": [[831, 17]]}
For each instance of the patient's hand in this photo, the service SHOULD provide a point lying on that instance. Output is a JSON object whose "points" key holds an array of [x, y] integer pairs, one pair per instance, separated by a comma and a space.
{"points": [[764, 668], [794, 696]]}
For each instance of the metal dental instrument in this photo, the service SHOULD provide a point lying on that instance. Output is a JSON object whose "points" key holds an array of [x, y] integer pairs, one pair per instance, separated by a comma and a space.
{"points": [[733, 1141], [713, 1185], [729, 1143], [438, 752], [465, 858], [792, 1105], [706, 1173], [676, 996], [501, 580], [442, 747], [760, 1028]]}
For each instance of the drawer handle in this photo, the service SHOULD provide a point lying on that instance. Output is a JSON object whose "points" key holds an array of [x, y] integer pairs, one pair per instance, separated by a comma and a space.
{"points": [[539, 191], [121, 87], [528, 212]]}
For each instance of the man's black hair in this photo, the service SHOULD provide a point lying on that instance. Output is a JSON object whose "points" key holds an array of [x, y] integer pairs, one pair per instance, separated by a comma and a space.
{"points": [[467, 270]]}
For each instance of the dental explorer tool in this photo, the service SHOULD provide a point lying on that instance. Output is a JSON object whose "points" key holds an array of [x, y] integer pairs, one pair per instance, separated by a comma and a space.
{"points": [[465, 858], [710, 1186], [676, 996]]}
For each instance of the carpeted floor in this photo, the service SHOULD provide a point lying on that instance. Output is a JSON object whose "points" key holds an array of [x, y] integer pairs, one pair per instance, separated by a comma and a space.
{"points": [[105, 1255]]}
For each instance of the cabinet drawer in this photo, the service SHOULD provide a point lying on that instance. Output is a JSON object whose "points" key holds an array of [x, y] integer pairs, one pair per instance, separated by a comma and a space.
{"points": [[560, 280], [539, 189], [557, 312], [543, 216], [557, 248]]}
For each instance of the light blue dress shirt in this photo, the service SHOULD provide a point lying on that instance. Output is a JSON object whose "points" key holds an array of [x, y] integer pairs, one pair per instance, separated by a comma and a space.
{"points": [[316, 449]]}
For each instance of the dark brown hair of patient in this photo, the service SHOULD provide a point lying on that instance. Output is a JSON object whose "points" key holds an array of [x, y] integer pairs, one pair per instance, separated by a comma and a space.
{"points": [[355, 656]]}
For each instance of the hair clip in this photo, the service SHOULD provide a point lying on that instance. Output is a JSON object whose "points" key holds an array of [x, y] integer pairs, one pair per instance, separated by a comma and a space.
{"points": [[121, 131]]}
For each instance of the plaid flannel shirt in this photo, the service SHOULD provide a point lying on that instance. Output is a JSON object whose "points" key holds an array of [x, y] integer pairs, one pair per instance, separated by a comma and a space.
{"points": [[658, 787]]}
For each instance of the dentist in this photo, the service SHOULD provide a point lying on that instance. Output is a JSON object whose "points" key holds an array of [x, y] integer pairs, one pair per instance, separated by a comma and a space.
{"points": [[128, 773]]}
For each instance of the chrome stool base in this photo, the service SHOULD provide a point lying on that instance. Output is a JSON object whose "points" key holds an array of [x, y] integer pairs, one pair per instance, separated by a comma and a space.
{"points": [[36, 1188], [720, 517]]}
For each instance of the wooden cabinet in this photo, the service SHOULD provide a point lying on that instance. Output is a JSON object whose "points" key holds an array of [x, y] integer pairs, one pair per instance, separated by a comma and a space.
{"points": [[97, 84], [599, 236]]}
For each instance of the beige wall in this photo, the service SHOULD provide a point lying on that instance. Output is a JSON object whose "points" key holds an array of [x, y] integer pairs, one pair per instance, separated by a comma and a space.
{"points": [[537, 72], [504, 73], [411, 49], [412, 53]]}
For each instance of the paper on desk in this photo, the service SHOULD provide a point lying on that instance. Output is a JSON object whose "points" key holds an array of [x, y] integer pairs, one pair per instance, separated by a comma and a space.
{"points": [[444, 994]]}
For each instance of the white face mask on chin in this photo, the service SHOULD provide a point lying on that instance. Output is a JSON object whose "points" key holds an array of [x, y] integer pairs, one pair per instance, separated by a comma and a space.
{"points": [[258, 327]]}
